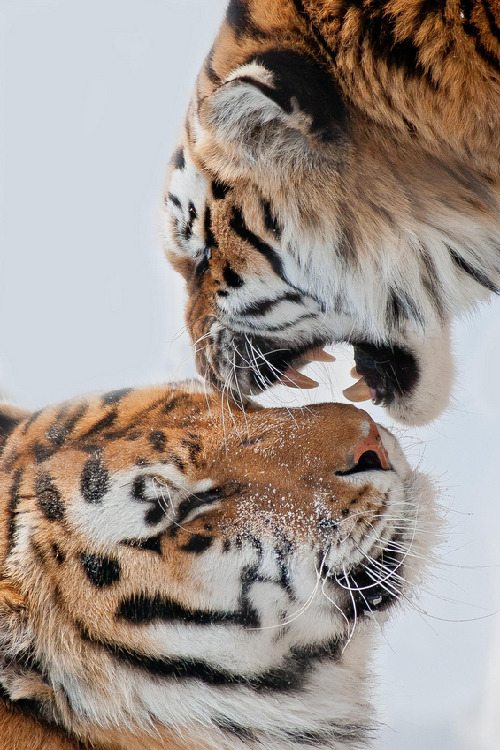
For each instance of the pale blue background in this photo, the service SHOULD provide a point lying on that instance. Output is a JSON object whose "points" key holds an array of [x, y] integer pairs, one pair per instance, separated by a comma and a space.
{"points": [[91, 97]]}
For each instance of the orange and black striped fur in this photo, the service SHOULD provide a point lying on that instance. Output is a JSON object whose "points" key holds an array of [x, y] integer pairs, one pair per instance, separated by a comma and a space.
{"points": [[338, 179], [179, 576]]}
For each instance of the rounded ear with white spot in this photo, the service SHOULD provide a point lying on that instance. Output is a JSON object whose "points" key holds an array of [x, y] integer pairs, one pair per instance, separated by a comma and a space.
{"points": [[277, 107]]}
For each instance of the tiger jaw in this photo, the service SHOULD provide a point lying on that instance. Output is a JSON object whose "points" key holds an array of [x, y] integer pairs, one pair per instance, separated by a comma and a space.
{"points": [[411, 376]]}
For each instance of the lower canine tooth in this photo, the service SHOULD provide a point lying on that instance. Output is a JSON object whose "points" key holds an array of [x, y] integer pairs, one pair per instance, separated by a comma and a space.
{"points": [[295, 379], [358, 392]]}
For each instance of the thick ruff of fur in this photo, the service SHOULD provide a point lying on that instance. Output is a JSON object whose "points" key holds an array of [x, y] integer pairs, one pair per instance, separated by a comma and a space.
{"points": [[338, 179], [179, 575]]}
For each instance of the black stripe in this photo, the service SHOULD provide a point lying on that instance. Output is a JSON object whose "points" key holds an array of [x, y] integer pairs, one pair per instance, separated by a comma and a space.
{"points": [[347, 735], [61, 429], [430, 282], [245, 734], [7, 425], [400, 305], [192, 444], [139, 489], [237, 223], [152, 544], [263, 328], [263, 306], [157, 440], [320, 39], [102, 424], [232, 279], [113, 397], [197, 543], [474, 273], [200, 499], [298, 78], [473, 31], [101, 571], [49, 497], [42, 452], [288, 678], [241, 22], [278, 96], [156, 511], [379, 29], [178, 159], [141, 610], [469, 28], [59, 555], [30, 420], [155, 514], [209, 70], [94, 482], [220, 189], [270, 220], [175, 200], [176, 460], [495, 30], [14, 498], [209, 235], [175, 400]]}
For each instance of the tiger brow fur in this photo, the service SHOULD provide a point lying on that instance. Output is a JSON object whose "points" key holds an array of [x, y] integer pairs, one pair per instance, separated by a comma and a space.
{"points": [[338, 179], [176, 574]]}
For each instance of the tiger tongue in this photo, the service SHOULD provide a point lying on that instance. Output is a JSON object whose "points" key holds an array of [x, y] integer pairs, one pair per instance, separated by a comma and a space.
{"points": [[295, 379]]}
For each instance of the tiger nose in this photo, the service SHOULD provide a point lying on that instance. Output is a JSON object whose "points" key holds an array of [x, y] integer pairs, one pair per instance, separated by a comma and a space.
{"points": [[369, 445]]}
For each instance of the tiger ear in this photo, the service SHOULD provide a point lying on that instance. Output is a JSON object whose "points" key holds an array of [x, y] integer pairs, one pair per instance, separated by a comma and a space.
{"points": [[280, 106]]}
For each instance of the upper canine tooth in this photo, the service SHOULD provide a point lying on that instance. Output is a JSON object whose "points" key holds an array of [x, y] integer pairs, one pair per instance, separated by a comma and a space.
{"points": [[317, 354], [295, 379], [358, 392]]}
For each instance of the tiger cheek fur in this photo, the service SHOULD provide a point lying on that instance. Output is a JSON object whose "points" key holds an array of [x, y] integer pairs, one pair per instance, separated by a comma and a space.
{"points": [[180, 574], [340, 181]]}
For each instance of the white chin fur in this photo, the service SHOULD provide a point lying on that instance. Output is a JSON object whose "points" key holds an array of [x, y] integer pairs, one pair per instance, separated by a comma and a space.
{"points": [[432, 393]]}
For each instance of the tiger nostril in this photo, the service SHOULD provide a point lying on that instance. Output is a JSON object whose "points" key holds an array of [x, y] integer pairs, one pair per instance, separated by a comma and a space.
{"points": [[368, 461]]}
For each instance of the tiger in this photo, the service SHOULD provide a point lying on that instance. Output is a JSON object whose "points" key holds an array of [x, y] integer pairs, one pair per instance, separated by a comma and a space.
{"points": [[338, 180], [181, 575]]}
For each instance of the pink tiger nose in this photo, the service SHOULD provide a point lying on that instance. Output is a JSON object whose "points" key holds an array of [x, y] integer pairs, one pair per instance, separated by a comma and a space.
{"points": [[372, 442]]}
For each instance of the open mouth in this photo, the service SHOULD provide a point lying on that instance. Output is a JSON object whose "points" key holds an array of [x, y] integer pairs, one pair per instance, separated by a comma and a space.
{"points": [[259, 363], [375, 585], [382, 373]]}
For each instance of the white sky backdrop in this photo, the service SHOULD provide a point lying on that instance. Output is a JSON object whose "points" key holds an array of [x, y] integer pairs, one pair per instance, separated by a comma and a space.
{"points": [[91, 98]]}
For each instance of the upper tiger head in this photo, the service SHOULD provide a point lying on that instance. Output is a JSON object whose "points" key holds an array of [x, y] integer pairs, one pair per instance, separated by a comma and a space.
{"points": [[303, 210], [174, 566]]}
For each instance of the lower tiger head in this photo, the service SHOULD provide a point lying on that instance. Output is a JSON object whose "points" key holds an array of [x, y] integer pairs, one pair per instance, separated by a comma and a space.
{"points": [[169, 563]]}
